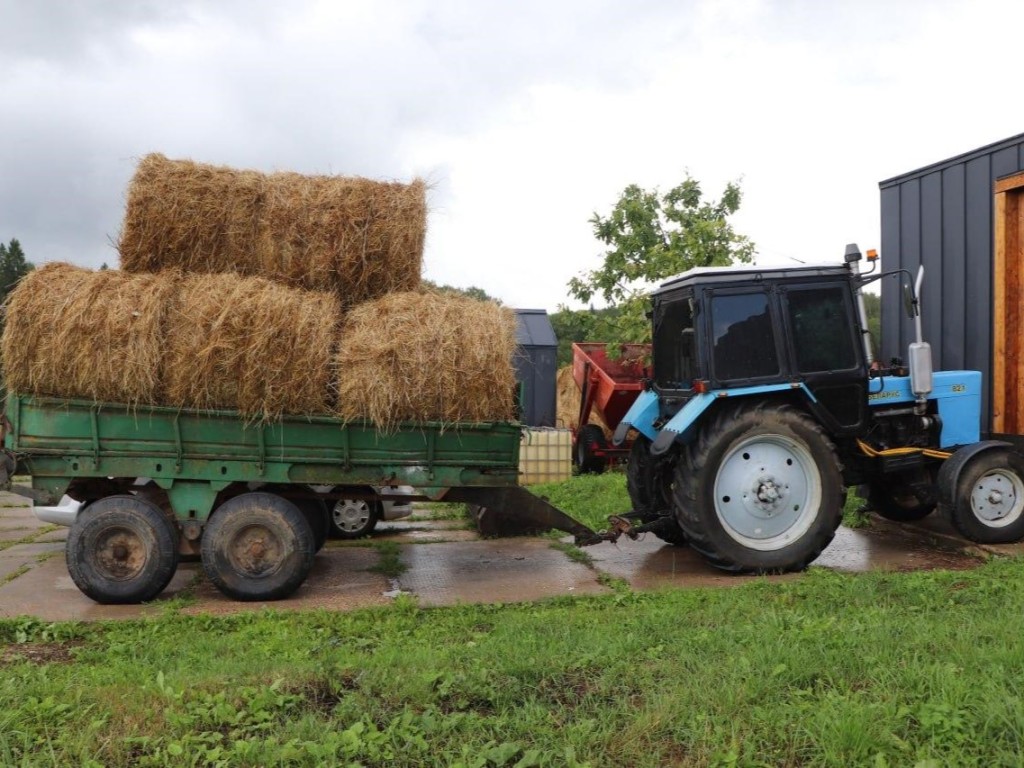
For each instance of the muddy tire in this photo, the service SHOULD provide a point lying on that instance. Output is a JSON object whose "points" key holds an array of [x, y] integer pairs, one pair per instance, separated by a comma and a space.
{"points": [[587, 463], [315, 512], [649, 484], [989, 504], [257, 546], [122, 549], [354, 518], [895, 499], [759, 490]]}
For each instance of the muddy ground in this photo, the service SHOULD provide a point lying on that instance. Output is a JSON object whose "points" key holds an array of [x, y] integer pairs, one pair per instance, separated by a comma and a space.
{"points": [[444, 563]]}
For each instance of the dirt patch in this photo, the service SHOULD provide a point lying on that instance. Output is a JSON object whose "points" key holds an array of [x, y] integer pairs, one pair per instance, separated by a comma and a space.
{"points": [[39, 653]]}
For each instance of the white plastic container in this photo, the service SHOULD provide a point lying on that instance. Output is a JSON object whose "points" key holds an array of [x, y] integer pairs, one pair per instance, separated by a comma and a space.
{"points": [[545, 456]]}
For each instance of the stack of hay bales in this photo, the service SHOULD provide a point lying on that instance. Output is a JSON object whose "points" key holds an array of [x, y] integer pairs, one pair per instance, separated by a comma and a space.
{"points": [[567, 404], [270, 294]]}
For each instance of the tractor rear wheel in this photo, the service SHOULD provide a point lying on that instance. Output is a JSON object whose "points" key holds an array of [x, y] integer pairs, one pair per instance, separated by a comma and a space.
{"points": [[649, 483], [590, 437], [989, 503], [759, 490]]}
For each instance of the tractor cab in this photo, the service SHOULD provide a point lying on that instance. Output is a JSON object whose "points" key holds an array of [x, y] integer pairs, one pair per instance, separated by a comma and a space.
{"points": [[762, 329]]}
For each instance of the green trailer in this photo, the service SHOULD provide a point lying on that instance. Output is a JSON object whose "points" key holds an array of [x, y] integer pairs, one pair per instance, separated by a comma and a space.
{"points": [[250, 499]]}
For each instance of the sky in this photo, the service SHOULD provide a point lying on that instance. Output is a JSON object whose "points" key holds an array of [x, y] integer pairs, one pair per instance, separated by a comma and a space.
{"points": [[526, 117]]}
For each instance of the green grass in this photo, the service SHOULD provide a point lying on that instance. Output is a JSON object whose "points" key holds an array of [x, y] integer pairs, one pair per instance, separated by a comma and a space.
{"points": [[592, 498], [588, 498], [827, 670], [390, 563]]}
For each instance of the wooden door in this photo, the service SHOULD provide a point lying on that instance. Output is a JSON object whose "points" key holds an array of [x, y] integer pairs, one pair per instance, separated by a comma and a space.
{"points": [[1008, 308]]}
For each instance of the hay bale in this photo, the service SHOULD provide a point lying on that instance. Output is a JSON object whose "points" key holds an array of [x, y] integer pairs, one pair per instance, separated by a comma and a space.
{"points": [[357, 237], [426, 356], [250, 344], [567, 404], [74, 333]]}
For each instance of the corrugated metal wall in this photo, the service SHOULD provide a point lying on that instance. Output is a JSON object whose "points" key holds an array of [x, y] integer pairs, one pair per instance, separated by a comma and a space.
{"points": [[941, 216]]}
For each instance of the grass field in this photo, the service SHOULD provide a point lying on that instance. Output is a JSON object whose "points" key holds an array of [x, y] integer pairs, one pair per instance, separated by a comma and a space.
{"points": [[881, 669]]}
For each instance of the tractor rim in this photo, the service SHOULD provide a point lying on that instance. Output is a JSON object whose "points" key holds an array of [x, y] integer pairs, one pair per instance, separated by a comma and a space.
{"points": [[767, 492], [997, 498]]}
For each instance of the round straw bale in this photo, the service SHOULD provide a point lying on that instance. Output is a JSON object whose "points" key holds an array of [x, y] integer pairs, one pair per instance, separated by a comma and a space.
{"points": [[567, 405], [74, 333], [252, 345], [426, 356], [356, 237]]}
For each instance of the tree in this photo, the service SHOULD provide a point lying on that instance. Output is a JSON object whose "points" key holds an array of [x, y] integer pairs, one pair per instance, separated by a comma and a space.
{"points": [[13, 266], [472, 292], [652, 236]]}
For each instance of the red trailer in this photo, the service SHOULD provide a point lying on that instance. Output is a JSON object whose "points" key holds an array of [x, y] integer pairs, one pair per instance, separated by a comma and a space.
{"points": [[608, 386]]}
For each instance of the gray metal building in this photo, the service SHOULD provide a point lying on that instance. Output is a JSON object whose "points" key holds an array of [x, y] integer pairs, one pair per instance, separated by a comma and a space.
{"points": [[942, 216], [537, 366]]}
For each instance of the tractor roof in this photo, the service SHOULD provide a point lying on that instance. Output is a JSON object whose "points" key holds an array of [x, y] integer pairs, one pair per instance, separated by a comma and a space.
{"points": [[747, 273]]}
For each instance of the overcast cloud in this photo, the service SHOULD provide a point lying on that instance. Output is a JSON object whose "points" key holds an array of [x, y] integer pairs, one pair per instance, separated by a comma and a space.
{"points": [[527, 117]]}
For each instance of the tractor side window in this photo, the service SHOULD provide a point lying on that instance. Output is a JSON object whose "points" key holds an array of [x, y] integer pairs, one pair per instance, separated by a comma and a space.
{"points": [[675, 352], [822, 332], [743, 337]]}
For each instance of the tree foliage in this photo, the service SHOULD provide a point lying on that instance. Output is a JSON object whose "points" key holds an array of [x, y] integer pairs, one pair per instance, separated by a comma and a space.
{"points": [[472, 292], [651, 236], [13, 266]]}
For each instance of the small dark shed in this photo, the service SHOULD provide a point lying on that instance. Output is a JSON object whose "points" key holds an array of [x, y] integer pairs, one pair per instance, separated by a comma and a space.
{"points": [[537, 366], [949, 216]]}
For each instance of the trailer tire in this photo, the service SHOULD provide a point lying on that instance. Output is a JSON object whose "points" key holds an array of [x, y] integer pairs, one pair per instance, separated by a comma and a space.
{"points": [[257, 546], [122, 549], [989, 503], [759, 490], [649, 484], [588, 436], [315, 511]]}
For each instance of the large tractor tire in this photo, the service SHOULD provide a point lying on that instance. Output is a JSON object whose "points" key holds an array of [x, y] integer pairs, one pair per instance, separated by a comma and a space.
{"points": [[257, 546], [988, 506], [589, 437], [649, 483], [760, 490], [122, 549]]}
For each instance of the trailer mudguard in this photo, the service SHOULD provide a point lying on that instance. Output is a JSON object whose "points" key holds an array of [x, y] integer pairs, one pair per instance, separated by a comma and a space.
{"points": [[682, 424]]}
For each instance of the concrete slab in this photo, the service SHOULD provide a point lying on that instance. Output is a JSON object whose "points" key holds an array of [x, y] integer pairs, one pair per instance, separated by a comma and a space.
{"points": [[341, 580], [493, 571]]}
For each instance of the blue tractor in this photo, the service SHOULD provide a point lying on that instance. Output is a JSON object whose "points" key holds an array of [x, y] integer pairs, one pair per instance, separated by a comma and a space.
{"points": [[764, 405]]}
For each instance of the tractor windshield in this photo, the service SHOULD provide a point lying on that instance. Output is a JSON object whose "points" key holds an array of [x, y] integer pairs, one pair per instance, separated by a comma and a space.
{"points": [[675, 349]]}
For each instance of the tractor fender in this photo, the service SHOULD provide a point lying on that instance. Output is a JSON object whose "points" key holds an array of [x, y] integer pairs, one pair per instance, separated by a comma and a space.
{"points": [[949, 473], [681, 426], [640, 416]]}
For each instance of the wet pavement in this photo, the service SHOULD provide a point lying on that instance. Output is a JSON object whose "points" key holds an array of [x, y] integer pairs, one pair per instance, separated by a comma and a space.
{"points": [[444, 563]]}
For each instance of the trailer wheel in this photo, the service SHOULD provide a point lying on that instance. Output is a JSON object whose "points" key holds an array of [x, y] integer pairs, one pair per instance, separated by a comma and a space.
{"points": [[760, 490], [896, 499], [589, 437], [122, 549], [315, 512], [257, 546], [354, 518], [989, 502], [649, 484]]}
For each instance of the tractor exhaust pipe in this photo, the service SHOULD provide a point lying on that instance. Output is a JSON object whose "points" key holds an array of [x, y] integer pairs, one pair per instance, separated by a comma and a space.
{"points": [[920, 353]]}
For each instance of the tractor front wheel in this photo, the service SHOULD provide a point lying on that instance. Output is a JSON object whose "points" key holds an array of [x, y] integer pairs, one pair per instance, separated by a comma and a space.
{"points": [[759, 490], [989, 502]]}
